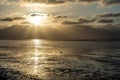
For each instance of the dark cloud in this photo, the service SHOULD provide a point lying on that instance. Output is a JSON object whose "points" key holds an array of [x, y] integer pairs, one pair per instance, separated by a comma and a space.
{"points": [[80, 21], [69, 22], [95, 32], [110, 2], [12, 19], [60, 17], [57, 1], [7, 19], [108, 15], [45, 1], [100, 18], [87, 0], [83, 20], [25, 22], [105, 21], [75, 32], [105, 2]]}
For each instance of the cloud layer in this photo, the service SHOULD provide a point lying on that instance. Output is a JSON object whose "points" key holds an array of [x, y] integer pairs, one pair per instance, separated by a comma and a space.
{"points": [[8, 2], [79, 29], [12, 19], [104, 2], [108, 15], [110, 2], [105, 21], [73, 32]]}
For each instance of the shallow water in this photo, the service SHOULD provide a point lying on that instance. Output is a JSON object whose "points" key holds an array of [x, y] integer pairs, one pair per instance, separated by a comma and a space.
{"points": [[62, 60]]}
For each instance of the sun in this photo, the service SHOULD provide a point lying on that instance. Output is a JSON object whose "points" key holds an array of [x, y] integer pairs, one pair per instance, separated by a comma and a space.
{"points": [[37, 18]]}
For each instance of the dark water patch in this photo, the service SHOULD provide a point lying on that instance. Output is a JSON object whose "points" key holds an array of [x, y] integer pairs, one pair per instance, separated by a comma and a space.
{"points": [[12, 61], [113, 77], [11, 74], [3, 54], [65, 71], [81, 74], [107, 60], [52, 59], [116, 56]]}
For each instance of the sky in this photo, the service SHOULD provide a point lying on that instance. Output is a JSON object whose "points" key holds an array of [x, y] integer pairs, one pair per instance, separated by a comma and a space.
{"points": [[70, 19]]}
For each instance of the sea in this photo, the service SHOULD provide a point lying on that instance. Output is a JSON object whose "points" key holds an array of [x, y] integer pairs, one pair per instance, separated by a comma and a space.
{"points": [[62, 60]]}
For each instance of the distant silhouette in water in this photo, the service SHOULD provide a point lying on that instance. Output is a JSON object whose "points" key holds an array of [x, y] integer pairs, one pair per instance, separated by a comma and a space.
{"points": [[61, 52]]}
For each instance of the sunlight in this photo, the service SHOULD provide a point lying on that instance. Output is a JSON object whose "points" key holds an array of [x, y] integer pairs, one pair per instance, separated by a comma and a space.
{"points": [[37, 60], [31, 4], [37, 18], [35, 70], [37, 43], [35, 57]]}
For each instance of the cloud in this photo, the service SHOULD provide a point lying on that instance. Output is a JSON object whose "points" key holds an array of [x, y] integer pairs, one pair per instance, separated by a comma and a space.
{"points": [[98, 32], [12, 19], [108, 15], [88, 1], [104, 2], [84, 20], [99, 18], [60, 17], [110, 2], [8, 2], [79, 21], [57, 1], [70, 32], [25, 22], [45, 1], [69, 22], [105, 21]]}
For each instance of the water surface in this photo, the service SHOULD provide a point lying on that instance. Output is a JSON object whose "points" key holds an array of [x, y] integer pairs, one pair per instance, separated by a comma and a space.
{"points": [[62, 60]]}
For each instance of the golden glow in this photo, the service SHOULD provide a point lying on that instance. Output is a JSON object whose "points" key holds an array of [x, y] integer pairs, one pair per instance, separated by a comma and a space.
{"points": [[37, 43], [35, 70], [35, 59], [37, 18], [31, 3]]}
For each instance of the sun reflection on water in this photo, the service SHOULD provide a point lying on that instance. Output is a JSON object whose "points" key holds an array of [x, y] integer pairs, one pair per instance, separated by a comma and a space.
{"points": [[35, 70], [37, 60], [37, 43], [36, 57]]}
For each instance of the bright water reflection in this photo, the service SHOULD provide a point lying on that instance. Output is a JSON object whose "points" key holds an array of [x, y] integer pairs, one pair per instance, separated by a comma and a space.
{"points": [[37, 43], [35, 57]]}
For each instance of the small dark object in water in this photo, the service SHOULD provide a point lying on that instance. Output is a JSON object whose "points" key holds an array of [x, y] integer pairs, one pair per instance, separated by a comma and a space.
{"points": [[60, 52]]}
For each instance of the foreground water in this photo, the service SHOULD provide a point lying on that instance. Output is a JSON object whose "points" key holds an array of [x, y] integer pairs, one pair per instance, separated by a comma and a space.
{"points": [[62, 60]]}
